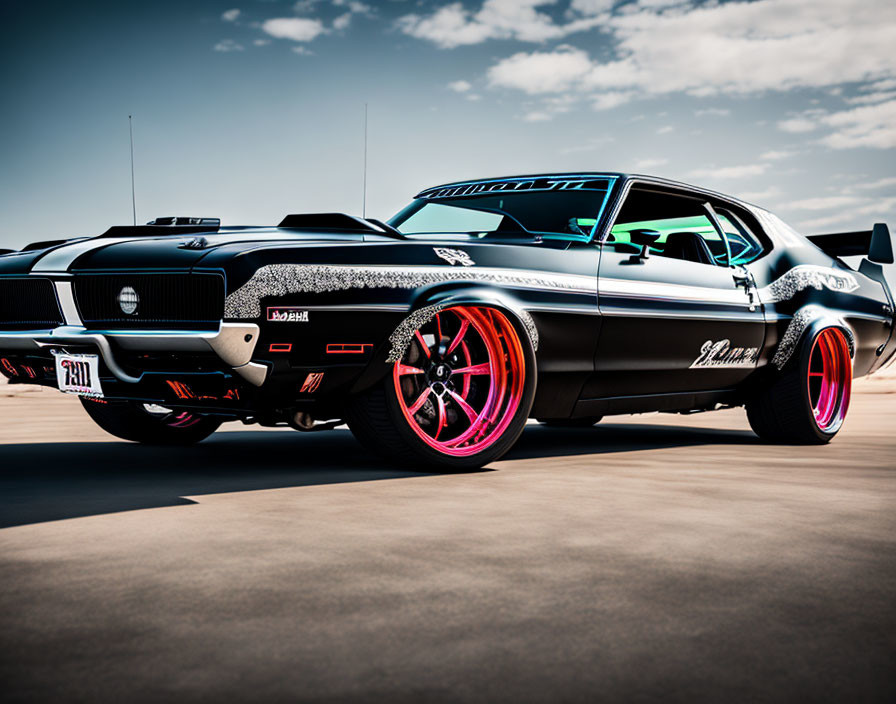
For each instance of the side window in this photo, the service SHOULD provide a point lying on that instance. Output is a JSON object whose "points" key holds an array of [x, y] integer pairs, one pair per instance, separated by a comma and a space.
{"points": [[682, 226], [745, 246]]}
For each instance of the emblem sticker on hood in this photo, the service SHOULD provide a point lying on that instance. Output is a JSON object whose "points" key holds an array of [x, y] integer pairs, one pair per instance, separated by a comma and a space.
{"points": [[287, 314], [721, 354], [454, 256]]}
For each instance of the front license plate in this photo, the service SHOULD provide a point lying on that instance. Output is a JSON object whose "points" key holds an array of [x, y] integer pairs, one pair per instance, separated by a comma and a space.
{"points": [[79, 374]]}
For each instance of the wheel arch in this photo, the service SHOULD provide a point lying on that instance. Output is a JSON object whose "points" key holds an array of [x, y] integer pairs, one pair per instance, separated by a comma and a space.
{"points": [[807, 323], [424, 306]]}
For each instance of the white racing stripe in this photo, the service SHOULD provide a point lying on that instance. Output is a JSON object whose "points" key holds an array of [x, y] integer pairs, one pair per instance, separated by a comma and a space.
{"points": [[59, 260]]}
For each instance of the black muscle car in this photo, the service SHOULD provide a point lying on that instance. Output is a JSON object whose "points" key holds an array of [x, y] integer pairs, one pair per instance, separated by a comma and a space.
{"points": [[437, 334]]}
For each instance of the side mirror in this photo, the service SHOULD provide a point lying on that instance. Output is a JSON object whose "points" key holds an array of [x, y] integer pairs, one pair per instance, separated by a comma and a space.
{"points": [[644, 239], [881, 248]]}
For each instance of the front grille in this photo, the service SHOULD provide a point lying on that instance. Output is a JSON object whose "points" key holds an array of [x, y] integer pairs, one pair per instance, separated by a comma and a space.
{"points": [[28, 304], [163, 301]]}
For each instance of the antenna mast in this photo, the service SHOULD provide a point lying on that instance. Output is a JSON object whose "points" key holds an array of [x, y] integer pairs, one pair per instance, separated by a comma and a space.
{"points": [[133, 192], [364, 198]]}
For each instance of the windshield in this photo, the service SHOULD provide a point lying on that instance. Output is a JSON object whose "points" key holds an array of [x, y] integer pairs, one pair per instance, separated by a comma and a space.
{"points": [[559, 208]]}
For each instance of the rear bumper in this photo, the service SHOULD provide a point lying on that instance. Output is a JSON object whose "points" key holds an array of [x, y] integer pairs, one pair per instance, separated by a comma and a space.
{"points": [[233, 343]]}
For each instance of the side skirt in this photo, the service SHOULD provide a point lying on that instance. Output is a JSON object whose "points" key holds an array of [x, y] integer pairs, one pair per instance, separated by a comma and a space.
{"points": [[618, 405]]}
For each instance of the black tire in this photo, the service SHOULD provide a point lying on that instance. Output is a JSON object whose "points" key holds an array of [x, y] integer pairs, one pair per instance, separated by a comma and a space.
{"points": [[783, 410], [382, 422], [130, 420], [570, 422]]}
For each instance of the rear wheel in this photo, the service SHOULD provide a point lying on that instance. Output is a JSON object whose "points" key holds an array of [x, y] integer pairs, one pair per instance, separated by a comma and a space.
{"points": [[149, 424], [807, 403], [458, 398]]}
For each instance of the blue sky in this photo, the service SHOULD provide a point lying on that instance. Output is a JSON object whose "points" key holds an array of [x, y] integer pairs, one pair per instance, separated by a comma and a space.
{"points": [[252, 109]]}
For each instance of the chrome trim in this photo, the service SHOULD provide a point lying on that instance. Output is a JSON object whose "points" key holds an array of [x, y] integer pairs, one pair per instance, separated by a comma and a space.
{"points": [[252, 372], [577, 310], [613, 311], [229, 342], [657, 290], [66, 335], [338, 307]]}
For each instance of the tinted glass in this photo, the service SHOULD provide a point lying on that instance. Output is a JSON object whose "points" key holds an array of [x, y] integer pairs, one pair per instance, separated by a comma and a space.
{"points": [[551, 207]]}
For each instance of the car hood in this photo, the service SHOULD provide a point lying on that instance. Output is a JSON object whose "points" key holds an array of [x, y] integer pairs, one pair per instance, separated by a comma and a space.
{"points": [[239, 252], [165, 251]]}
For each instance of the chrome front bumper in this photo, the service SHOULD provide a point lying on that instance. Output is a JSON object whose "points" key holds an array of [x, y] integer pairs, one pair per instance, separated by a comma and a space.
{"points": [[233, 343]]}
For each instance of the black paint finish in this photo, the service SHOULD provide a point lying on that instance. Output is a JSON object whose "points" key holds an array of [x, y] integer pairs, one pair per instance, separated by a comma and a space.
{"points": [[616, 333]]}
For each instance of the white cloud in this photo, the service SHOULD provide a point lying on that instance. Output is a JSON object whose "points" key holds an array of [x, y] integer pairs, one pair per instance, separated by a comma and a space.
{"points": [[665, 129], [298, 29], [226, 45], [541, 72], [353, 7], [865, 126], [610, 99], [872, 208], [230, 15], [302, 51], [777, 154], [592, 7], [358, 8], [647, 164], [880, 183], [731, 172], [453, 25], [825, 202], [887, 84], [537, 116], [733, 48], [871, 98], [261, 42], [797, 125], [766, 195], [868, 126], [712, 112], [591, 145], [303, 6], [460, 86]]}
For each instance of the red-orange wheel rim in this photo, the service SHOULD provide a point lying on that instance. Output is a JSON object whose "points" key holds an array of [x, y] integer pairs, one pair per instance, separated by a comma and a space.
{"points": [[829, 379], [461, 380]]}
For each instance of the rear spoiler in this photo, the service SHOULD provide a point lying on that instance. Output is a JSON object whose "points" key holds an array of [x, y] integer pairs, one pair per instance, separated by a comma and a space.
{"points": [[875, 244]]}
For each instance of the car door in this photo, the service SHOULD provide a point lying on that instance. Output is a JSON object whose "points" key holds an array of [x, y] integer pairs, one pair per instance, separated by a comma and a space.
{"points": [[676, 317]]}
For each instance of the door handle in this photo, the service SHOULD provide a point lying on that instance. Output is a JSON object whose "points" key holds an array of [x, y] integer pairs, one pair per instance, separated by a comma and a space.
{"points": [[742, 278]]}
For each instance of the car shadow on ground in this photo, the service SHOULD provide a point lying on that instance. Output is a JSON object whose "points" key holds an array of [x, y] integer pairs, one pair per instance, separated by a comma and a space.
{"points": [[54, 481]]}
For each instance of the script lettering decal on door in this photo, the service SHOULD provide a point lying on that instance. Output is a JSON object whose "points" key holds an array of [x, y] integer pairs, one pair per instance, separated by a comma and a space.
{"points": [[721, 354]]}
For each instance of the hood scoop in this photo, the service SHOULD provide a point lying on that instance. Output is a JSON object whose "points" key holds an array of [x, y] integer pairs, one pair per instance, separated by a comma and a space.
{"points": [[178, 225]]}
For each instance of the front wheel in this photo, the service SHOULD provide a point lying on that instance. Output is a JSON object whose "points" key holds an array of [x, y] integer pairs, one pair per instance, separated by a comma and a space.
{"points": [[807, 403], [149, 424], [458, 398]]}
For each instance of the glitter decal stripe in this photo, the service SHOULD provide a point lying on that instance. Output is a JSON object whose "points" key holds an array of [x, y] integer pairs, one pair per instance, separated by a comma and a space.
{"points": [[285, 279], [807, 276], [798, 325]]}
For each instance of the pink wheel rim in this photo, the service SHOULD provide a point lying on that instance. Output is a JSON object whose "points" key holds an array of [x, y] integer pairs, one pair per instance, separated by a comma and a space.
{"points": [[461, 380], [829, 379]]}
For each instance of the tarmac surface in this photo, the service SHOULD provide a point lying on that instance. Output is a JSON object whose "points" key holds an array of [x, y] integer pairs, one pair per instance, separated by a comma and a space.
{"points": [[649, 558]]}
